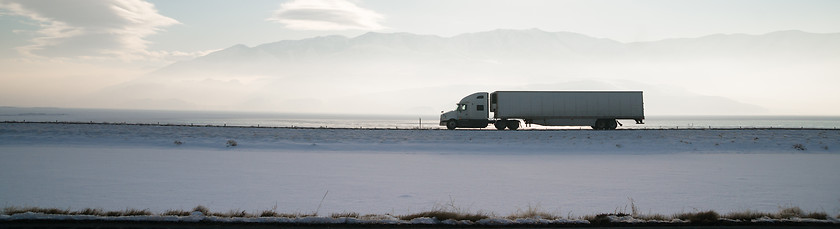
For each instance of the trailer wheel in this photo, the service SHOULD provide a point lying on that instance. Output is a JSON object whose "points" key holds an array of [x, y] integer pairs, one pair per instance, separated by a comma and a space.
{"points": [[451, 124], [500, 124], [513, 124], [611, 124], [600, 124]]}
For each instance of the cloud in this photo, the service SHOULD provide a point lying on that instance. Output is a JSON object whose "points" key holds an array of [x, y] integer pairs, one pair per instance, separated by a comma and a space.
{"points": [[326, 15], [89, 28]]}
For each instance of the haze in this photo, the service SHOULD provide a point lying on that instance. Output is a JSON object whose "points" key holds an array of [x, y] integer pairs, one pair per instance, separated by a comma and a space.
{"points": [[418, 57]]}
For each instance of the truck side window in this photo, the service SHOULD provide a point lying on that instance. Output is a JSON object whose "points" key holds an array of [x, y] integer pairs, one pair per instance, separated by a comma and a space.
{"points": [[463, 107], [479, 107]]}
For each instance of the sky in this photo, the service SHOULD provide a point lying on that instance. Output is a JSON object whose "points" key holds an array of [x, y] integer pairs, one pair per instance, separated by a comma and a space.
{"points": [[55, 53]]}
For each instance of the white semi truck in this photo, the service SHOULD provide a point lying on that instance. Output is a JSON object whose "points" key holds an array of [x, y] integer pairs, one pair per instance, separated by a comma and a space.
{"points": [[600, 110]]}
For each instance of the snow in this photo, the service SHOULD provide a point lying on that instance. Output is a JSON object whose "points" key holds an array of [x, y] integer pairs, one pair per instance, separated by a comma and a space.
{"points": [[302, 220], [328, 220], [424, 220], [565, 172]]}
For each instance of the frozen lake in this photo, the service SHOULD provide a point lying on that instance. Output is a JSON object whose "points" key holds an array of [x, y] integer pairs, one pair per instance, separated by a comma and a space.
{"points": [[566, 172], [424, 121]]}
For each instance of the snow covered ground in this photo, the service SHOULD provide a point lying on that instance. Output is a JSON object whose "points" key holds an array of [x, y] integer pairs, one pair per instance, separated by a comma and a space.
{"points": [[566, 172]]}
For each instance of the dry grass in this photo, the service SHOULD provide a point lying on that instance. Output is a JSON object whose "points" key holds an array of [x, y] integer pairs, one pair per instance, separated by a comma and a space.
{"points": [[604, 217], [273, 213], [446, 212], [784, 213], [91, 211], [711, 217], [659, 217], [445, 215], [244, 214], [704, 217], [791, 212], [50, 211], [136, 212], [201, 208], [173, 212], [269, 213], [601, 218], [345, 215], [816, 215], [533, 212], [747, 215], [86, 211], [129, 212], [796, 212], [234, 214]]}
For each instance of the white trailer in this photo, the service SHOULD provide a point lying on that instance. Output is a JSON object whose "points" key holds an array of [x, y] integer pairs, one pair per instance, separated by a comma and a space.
{"points": [[600, 110]]}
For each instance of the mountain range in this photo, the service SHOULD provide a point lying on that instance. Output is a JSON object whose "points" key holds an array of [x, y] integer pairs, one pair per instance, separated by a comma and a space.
{"points": [[518, 45], [336, 74]]}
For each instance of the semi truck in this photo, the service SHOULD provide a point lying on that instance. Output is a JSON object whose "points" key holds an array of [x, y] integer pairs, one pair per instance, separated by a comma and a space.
{"points": [[600, 110]]}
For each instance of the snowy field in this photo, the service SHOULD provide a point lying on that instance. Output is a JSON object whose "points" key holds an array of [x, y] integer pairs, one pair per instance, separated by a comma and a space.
{"points": [[565, 172]]}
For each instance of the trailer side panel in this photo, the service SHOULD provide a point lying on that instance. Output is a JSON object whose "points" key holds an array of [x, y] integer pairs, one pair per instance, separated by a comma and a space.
{"points": [[547, 105]]}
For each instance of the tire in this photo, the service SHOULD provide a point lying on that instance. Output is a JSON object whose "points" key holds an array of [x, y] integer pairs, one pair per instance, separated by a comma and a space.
{"points": [[500, 124], [451, 124], [611, 124], [600, 124], [513, 124]]}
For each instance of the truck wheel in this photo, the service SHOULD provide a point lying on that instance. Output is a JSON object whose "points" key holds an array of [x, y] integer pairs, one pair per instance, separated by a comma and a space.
{"points": [[600, 124], [611, 124], [513, 124], [451, 124], [500, 124]]}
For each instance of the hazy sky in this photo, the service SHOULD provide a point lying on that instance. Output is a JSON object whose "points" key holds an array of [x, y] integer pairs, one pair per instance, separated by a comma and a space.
{"points": [[51, 50]]}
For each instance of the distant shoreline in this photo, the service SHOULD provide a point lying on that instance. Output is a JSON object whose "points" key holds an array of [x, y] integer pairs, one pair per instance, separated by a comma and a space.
{"points": [[397, 128], [378, 121]]}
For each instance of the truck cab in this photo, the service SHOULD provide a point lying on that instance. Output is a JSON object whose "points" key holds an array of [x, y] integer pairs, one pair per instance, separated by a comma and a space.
{"points": [[471, 112]]}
